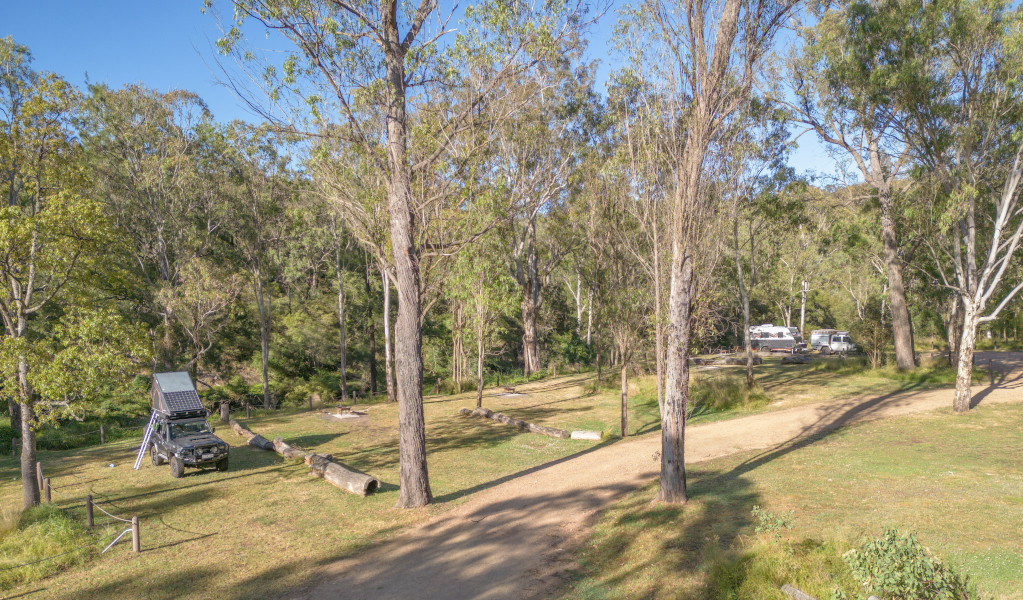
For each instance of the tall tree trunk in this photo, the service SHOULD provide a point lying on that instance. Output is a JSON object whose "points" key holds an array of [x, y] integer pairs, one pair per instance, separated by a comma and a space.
{"points": [[341, 323], [371, 332], [264, 335], [388, 348], [29, 484], [589, 316], [530, 304], [15, 410], [578, 295], [744, 297], [412, 470], [802, 309], [902, 325], [676, 389], [479, 367], [964, 369], [659, 318], [953, 329], [625, 397]]}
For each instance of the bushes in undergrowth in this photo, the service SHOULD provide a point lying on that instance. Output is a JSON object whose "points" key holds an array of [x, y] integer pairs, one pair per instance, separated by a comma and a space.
{"points": [[894, 566]]}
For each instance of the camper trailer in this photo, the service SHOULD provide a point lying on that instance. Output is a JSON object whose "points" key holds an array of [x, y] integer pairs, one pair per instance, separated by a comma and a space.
{"points": [[776, 338]]}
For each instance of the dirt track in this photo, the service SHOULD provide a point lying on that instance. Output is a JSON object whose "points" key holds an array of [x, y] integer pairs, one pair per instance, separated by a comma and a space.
{"points": [[513, 540]]}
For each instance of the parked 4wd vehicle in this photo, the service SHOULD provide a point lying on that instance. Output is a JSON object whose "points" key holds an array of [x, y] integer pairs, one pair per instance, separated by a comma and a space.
{"points": [[179, 433], [187, 443]]}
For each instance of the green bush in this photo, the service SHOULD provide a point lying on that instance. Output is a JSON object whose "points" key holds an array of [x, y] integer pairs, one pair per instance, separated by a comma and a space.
{"points": [[896, 566]]}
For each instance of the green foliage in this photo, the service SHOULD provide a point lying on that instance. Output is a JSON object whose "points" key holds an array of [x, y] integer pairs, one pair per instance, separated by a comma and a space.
{"points": [[896, 566], [41, 532], [770, 523], [763, 566]]}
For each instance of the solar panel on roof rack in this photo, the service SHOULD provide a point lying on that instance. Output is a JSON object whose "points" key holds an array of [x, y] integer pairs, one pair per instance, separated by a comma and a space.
{"points": [[182, 401]]}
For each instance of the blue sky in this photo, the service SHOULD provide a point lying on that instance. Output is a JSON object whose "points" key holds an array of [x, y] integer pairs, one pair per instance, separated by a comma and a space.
{"points": [[168, 45]]}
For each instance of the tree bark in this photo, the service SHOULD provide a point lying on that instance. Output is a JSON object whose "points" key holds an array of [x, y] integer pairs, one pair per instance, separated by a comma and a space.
{"points": [[388, 348], [530, 304], [902, 325], [625, 400], [479, 366], [371, 333], [744, 297], [964, 369], [15, 410], [341, 322], [29, 485], [676, 389], [412, 471], [264, 335], [953, 330]]}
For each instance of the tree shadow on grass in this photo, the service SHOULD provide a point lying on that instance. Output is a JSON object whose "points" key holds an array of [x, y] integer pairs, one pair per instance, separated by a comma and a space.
{"points": [[662, 545]]}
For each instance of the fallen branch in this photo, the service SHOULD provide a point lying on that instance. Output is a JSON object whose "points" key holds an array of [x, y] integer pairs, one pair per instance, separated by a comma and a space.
{"points": [[253, 439]]}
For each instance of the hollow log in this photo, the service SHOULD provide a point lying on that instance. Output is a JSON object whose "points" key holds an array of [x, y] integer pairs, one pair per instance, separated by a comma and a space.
{"points": [[254, 439], [340, 476], [287, 450]]}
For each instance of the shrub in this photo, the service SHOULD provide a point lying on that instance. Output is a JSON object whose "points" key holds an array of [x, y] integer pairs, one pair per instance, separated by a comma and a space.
{"points": [[896, 566], [720, 394], [42, 532]]}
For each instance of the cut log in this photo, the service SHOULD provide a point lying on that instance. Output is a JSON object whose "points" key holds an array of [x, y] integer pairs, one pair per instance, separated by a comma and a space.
{"points": [[340, 476], [287, 450], [530, 427], [739, 361], [796, 359], [586, 435], [253, 439]]}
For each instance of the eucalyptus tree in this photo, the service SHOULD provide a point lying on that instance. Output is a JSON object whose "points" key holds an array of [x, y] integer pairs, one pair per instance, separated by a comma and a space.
{"points": [[963, 127], [256, 194], [843, 92], [153, 164], [704, 58], [392, 58], [54, 245], [489, 296]]}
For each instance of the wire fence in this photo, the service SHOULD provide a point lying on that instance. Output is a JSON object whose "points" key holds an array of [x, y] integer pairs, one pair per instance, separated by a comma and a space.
{"points": [[89, 504]]}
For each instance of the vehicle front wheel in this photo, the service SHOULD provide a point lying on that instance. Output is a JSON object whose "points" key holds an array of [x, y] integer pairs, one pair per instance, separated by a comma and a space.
{"points": [[177, 467], [825, 350], [157, 460], [222, 464]]}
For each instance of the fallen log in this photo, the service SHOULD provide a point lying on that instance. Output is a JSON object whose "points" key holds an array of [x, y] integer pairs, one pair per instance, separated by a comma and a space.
{"points": [[583, 434], [530, 427], [341, 476], [287, 450], [253, 439]]}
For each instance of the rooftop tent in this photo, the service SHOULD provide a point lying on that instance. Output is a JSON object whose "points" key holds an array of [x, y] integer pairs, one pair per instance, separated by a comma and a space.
{"points": [[174, 395]]}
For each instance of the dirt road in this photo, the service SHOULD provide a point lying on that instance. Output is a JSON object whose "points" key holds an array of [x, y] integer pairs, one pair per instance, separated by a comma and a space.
{"points": [[514, 540]]}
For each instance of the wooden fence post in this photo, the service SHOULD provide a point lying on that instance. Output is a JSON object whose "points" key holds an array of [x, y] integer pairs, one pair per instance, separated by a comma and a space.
{"points": [[136, 541], [247, 413], [436, 386], [225, 412], [39, 475], [102, 435], [46, 490], [310, 402], [88, 511]]}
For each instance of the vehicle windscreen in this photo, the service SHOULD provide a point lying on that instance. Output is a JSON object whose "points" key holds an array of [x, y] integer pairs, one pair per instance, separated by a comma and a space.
{"points": [[182, 429]]}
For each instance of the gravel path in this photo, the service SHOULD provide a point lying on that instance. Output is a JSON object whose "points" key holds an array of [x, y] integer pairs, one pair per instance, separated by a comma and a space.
{"points": [[514, 540]]}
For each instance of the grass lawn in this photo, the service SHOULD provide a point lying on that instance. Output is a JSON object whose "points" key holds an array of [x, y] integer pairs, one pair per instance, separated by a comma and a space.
{"points": [[956, 480]]}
